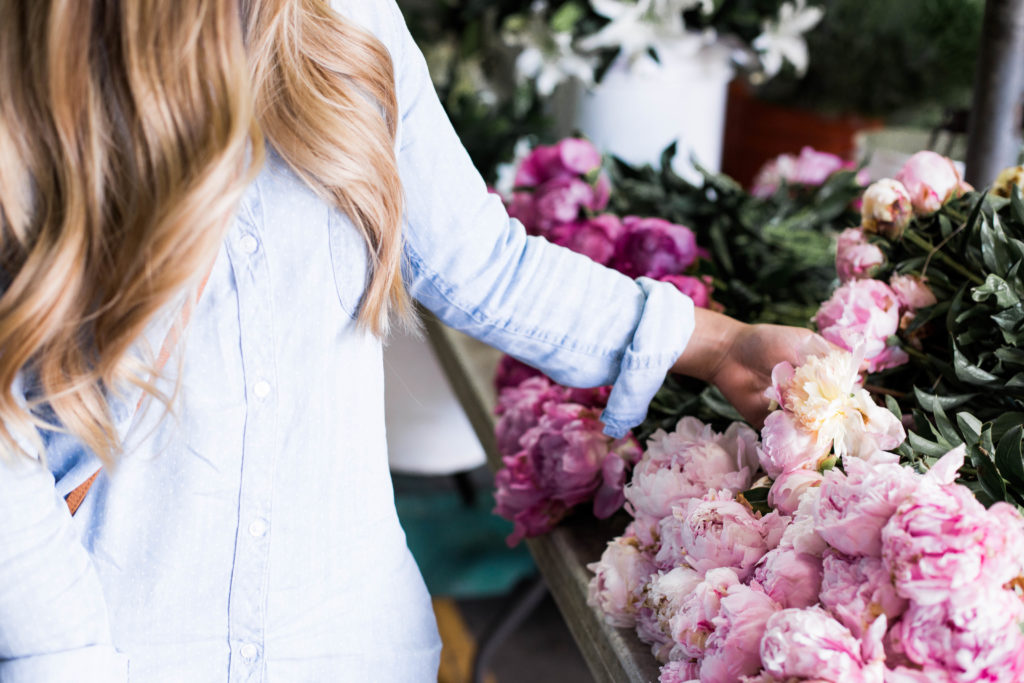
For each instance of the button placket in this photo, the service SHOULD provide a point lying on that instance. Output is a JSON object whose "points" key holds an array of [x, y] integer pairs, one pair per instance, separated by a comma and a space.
{"points": [[248, 596]]}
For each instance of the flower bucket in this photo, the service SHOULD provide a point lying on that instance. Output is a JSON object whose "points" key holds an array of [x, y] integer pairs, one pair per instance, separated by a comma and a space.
{"points": [[638, 110]]}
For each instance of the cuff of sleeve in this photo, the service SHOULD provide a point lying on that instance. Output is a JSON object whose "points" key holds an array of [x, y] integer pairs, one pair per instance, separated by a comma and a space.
{"points": [[97, 664], [662, 334]]}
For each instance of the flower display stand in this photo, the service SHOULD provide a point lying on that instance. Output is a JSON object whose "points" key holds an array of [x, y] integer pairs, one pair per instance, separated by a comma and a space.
{"points": [[613, 655]]}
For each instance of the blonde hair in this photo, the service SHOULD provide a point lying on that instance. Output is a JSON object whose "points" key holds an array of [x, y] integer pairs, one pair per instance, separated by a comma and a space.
{"points": [[128, 133]]}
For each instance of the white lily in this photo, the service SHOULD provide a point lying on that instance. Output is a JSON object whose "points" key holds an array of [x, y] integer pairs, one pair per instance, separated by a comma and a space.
{"points": [[638, 26], [547, 57], [783, 39]]}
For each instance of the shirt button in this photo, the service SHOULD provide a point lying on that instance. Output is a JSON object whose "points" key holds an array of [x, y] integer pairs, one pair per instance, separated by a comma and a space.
{"points": [[249, 652], [249, 244], [261, 389], [258, 528]]}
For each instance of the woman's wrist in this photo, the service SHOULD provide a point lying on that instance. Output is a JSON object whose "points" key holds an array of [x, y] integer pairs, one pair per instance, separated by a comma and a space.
{"points": [[714, 334]]}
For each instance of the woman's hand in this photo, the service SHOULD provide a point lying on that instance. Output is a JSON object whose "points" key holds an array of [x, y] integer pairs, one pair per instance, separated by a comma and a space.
{"points": [[738, 358]]}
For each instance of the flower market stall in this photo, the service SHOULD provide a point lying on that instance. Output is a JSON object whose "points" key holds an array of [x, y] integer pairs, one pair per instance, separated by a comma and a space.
{"points": [[870, 531]]}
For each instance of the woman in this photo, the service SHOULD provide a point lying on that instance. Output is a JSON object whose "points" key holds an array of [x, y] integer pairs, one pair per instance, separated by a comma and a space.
{"points": [[281, 178]]}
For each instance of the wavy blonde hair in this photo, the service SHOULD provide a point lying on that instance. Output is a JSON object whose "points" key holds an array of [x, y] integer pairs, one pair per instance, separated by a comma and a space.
{"points": [[128, 133]]}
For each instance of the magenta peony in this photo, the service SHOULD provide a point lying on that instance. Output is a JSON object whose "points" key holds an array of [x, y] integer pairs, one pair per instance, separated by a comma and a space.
{"points": [[856, 257], [691, 624], [931, 180], [862, 315], [595, 237], [569, 158], [719, 531], [563, 462], [697, 288], [520, 408], [512, 373], [857, 590], [801, 644], [654, 248], [733, 646], [974, 636], [687, 463], [886, 208], [618, 577], [853, 508]]}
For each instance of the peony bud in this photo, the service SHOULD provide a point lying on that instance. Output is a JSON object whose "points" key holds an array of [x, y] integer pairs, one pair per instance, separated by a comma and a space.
{"points": [[886, 208], [1007, 178], [932, 180]]}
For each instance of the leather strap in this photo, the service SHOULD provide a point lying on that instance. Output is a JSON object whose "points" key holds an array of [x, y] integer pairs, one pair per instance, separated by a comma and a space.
{"points": [[75, 498]]}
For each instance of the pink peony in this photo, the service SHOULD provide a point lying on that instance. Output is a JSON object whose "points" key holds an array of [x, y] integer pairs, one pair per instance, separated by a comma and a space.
{"points": [[786, 447], [561, 201], [856, 257], [886, 208], [648, 629], [654, 248], [718, 531], [810, 168], [667, 591], [691, 625], [942, 540], [564, 461], [853, 508], [697, 288], [595, 237], [857, 590], [973, 635], [787, 491], [931, 180], [863, 314], [800, 534], [512, 373], [618, 577], [679, 672], [687, 463], [913, 294], [809, 644], [520, 408], [733, 647], [790, 578]]}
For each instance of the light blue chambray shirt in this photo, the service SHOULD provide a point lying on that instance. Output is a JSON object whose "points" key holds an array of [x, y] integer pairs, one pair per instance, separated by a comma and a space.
{"points": [[252, 535]]}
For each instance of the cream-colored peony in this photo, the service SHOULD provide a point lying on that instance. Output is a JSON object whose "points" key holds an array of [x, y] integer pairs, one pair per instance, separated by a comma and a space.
{"points": [[825, 398]]}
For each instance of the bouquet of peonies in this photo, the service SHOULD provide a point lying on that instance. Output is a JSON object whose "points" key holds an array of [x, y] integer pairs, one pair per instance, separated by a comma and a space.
{"points": [[866, 570], [554, 453], [930, 287]]}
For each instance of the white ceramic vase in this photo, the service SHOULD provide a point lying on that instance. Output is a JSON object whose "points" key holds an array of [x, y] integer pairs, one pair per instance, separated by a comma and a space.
{"points": [[639, 109]]}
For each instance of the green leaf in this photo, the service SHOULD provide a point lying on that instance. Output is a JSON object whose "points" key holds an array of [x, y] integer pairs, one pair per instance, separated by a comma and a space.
{"points": [[982, 458], [970, 373], [945, 427], [926, 447], [997, 287], [1004, 423], [970, 427], [894, 407], [1017, 205], [926, 400], [1010, 456]]}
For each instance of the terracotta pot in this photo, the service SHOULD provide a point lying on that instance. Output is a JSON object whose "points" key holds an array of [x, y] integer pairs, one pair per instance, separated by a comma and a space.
{"points": [[756, 131]]}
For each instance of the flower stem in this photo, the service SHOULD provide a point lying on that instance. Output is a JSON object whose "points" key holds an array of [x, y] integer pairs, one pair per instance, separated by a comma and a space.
{"points": [[934, 252]]}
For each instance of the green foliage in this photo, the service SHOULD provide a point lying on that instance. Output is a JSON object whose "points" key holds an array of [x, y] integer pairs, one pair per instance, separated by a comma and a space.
{"points": [[967, 351], [772, 259], [889, 59]]}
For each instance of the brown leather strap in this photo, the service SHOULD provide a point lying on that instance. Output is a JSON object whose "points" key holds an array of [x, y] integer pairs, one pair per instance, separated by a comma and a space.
{"points": [[75, 498]]}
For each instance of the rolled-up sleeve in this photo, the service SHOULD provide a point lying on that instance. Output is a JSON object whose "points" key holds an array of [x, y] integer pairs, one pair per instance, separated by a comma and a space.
{"points": [[53, 617], [478, 271]]}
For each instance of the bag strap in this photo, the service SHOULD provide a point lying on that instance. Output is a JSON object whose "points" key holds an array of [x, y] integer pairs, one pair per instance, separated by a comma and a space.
{"points": [[75, 498]]}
